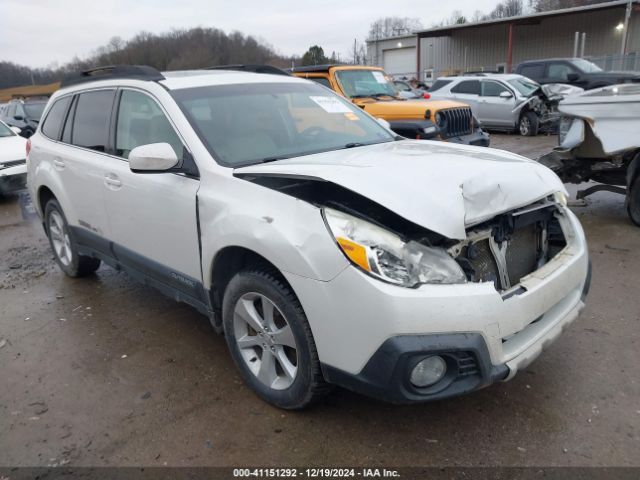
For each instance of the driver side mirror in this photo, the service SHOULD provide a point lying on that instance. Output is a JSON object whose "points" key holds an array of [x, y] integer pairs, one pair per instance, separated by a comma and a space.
{"points": [[573, 77], [506, 94], [152, 158]]}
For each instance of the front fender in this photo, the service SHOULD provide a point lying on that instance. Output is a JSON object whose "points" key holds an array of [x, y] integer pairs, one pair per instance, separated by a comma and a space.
{"points": [[289, 233]]}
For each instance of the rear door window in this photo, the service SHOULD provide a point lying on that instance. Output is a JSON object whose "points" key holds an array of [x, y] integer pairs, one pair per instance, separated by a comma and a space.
{"points": [[53, 123], [92, 118], [559, 72], [534, 72], [469, 87], [438, 84]]}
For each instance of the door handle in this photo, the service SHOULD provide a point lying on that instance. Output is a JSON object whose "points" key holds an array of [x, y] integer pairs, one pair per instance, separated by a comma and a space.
{"points": [[112, 181], [58, 163]]}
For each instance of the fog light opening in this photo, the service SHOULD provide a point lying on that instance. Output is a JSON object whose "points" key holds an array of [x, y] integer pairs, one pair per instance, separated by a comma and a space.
{"points": [[428, 371]]}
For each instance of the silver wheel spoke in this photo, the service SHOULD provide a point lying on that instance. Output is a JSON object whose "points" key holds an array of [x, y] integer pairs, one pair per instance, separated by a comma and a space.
{"points": [[267, 312], [284, 336], [248, 313], [267, 373], [249, 341], [289, 369]]}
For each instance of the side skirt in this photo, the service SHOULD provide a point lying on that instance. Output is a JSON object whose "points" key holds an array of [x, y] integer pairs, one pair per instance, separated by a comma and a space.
{"points": [[176, 285]]}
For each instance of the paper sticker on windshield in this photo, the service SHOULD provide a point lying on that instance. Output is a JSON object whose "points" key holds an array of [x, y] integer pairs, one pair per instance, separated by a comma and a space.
{"points": [[331, 104], [379, 76]]}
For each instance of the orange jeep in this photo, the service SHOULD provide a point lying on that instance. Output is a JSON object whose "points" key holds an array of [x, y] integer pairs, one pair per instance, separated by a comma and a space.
{"points": [[370, 89]]}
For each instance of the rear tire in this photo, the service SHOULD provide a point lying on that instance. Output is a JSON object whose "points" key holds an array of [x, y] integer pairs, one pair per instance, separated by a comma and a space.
{"points": [[528, 124], [270, 340], [633, 201], [64, 246]]}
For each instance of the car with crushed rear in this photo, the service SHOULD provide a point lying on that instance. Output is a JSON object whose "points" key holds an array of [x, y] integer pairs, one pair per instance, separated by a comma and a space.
{"points": [[327, 249]]}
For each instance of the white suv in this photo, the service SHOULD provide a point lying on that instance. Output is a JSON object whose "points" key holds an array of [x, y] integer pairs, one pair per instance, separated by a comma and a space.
{"points": [[326, 248]]}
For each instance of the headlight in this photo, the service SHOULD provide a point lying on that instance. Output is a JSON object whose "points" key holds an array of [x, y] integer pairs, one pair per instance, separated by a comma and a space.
{"points": [[560, 198], [386, 256]]}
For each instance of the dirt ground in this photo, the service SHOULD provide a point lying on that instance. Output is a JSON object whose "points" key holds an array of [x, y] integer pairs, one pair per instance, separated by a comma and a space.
{"points": [[103, 371]]}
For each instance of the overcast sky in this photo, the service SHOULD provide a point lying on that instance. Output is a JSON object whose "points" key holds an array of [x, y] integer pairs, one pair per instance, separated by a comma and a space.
{"points": [[39, 33]]}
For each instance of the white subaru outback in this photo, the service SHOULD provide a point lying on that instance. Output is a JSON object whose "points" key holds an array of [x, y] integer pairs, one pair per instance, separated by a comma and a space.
{"points": [[326, 248]]}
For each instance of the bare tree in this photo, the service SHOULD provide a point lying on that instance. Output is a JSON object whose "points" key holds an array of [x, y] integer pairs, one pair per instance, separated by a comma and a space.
{"points": [[393, 26]]}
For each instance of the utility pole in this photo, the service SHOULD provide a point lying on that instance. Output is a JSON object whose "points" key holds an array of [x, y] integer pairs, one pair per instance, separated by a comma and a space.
{"points": [[625, 31]]}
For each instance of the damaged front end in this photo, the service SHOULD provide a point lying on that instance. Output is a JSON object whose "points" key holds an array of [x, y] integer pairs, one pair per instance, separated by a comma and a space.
{"points": [[544, 104], [512, 245], [502, 250]]}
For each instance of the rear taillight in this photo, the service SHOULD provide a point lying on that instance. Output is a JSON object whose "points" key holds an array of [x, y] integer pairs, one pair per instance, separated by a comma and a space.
{"points": [[426, 95], [28, 147]]}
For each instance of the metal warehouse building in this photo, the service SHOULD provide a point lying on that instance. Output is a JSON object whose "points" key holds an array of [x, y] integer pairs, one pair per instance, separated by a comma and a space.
{"points": [[606, 33]]}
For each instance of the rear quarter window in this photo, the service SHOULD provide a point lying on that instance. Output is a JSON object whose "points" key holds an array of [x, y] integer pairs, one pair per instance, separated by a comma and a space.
{"points": [[55, 118]]}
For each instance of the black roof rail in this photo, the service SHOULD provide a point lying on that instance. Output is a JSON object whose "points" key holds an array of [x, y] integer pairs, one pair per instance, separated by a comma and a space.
{"points": [[316, 68], [108, 72], [253, 68]]}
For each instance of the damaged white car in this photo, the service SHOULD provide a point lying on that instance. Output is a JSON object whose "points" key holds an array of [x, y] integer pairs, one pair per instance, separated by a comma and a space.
{"points": [[598, 141], [326, 248], [13, 164]]}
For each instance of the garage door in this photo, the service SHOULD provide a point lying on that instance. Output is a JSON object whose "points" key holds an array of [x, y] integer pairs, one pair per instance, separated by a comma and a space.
{"points": [[400, 61]]}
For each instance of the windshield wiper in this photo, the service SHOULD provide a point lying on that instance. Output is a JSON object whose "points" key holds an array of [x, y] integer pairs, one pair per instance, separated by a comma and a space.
{"points": [[354, 144], [273, 159]]}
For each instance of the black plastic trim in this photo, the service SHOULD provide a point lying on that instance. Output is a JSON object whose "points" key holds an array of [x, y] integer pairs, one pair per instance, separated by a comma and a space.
{"points": [[386, 374], [173, 284], [110, 72]]}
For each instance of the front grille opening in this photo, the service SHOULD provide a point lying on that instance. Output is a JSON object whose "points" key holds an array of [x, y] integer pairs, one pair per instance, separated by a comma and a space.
{"points": [[511, 246], [455, 122]]}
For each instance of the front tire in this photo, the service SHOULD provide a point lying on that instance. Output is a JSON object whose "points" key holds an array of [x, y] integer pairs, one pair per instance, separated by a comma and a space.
{"points": [[528, 124], [270, 340], [63, 244], [633, 201]]}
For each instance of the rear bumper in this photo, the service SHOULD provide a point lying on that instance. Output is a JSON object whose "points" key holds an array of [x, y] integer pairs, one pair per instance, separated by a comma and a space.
{"points": [[477, 138], [13, 179]]}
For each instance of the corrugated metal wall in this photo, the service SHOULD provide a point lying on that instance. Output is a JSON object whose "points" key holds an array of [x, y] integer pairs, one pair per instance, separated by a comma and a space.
{"points": [[486, 47]]}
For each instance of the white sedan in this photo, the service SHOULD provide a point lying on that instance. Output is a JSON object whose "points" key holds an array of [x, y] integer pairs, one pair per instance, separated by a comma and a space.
{"points": [[13, 164]]}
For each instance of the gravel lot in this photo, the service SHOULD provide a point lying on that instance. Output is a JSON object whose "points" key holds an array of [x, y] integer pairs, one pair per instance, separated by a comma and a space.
{"points": [[103, 371]]}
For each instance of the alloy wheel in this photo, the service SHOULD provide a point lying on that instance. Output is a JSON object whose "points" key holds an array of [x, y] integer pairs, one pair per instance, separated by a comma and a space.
{"points": [[265, 341], [60, 238], [525, 126]]}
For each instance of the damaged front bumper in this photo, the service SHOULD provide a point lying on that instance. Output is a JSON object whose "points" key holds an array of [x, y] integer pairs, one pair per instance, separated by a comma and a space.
{"points": [[13, 179], [483, 336]]}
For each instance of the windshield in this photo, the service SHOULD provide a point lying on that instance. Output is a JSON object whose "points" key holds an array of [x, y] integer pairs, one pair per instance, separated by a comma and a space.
{"points": [[585, 65], [5, 131], [34, 109], [246, 124], [365, 83], [524, 86]]}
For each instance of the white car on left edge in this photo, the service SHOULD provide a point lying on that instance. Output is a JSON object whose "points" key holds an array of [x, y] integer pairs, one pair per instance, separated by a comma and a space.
{"points": [[13, 163]]}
